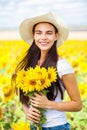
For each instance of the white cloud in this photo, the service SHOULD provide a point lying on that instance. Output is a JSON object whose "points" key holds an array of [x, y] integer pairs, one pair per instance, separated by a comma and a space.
{"points": [[17, 10]]}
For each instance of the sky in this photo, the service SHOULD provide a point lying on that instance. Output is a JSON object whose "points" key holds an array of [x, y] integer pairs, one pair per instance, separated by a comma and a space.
{"points": [[13, 12]]}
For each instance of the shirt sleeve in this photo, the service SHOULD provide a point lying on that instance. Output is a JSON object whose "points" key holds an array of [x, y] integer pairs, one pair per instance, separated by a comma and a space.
{"points": [[63, 67]]}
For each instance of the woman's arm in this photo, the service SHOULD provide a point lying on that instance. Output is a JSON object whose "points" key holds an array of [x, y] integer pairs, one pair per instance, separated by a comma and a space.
{"points": [[31, 113], [74, 104]]}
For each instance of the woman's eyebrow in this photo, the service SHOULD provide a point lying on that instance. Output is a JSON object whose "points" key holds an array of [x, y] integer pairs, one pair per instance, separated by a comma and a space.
{"points": [[38, 31], [49, 31], [41, 31]]}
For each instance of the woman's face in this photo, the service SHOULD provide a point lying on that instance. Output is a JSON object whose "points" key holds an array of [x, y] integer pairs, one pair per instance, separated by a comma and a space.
{"points": [[45, 35]]}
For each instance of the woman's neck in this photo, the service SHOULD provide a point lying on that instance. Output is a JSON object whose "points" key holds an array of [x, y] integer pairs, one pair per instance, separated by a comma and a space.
{"points": [[42, 58]]}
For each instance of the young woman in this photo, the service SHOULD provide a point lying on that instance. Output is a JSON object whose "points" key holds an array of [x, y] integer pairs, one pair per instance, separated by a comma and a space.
{"points": [[47, 32]]}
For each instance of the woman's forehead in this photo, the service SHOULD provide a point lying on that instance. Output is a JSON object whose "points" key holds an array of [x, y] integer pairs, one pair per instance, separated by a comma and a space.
{"points": [[43, 24]]}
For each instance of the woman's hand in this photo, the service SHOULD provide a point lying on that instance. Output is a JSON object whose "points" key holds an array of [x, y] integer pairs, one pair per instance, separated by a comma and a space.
{"points": [[32, 113], [39, 100]]}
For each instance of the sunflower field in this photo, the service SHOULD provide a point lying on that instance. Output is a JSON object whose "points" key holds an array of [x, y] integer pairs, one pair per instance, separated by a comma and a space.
{"points": [[12, 116]]}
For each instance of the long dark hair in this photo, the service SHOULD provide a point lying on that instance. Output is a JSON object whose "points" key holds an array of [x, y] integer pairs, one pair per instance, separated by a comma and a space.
{"points": [[30, 60]]}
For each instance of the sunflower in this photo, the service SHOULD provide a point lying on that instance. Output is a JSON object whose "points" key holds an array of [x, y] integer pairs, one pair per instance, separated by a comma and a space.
{"points": [[35, 79], [21, 126], [29, 85], [83, 91], [4, 80], [41, 74], [30, 81], [21, 75], [52, 74], [8, 92], [7, 89]]}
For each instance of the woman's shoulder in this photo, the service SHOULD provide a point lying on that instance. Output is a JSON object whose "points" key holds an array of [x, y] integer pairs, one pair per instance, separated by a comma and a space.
{"points": [[62, 60], [64, 67]]}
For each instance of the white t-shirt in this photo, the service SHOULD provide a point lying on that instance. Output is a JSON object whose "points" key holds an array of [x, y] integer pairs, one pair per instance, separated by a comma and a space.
{"points": [[55, 117]]}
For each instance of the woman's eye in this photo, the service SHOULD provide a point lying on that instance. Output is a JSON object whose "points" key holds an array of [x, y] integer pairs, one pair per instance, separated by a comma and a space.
{"points": [[49, 33], [38, 32]]}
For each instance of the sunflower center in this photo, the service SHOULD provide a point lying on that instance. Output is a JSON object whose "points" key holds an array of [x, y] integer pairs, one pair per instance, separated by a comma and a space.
{"points": [[7, 92], [42, 81], [32, 82], [49, 76]]}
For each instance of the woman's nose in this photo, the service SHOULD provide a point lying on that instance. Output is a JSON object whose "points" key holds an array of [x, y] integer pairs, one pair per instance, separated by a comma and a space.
{"points": [[44, 36]]}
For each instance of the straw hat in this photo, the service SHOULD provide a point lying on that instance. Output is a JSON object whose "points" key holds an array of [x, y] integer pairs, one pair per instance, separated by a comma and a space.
{"points": [[26, 27]]}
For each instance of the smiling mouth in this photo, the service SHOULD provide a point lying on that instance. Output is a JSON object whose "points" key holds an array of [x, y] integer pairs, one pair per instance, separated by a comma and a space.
{"points": [[43, 43]]}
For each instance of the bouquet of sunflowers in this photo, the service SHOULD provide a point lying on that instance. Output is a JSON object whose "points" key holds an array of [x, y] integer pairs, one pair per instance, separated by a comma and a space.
{"points": [[37, 80]]}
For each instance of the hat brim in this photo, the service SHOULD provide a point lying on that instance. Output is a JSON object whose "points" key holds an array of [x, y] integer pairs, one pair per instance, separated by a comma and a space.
{"points": [[27, 26]]}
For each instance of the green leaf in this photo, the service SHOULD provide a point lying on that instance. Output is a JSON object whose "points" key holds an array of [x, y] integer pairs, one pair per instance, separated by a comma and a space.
{"points": [[45, 92], [7, 126]]}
